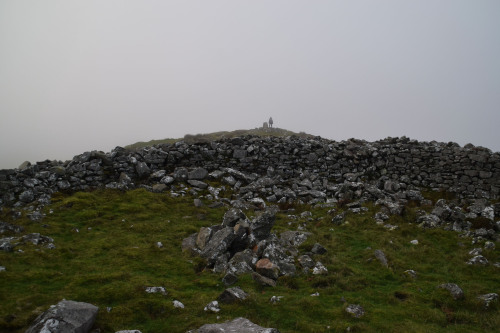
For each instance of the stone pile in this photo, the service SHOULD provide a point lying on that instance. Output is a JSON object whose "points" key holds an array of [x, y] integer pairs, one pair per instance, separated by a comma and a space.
{"points": [[276, 168], [238, 246]]}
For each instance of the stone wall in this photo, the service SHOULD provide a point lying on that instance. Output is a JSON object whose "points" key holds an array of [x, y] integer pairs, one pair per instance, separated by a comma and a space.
{"points": [[468, 171]]}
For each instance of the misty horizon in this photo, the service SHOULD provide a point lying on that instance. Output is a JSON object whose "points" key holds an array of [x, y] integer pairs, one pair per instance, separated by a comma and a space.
{"points": [[93, 75]]}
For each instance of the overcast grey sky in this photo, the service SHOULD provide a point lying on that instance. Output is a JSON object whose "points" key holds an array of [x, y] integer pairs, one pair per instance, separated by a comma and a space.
{"points": [[82, 75]]}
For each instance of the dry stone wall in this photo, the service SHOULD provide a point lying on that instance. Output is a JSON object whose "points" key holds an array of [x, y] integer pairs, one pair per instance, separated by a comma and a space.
{"points": [[469, 171]]}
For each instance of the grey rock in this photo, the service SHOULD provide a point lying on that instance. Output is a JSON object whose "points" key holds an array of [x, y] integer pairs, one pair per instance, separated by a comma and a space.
{"points": [[487, 299], [27, 196], [65, 316], [198, 174], [7, 227], [218, 244], [262, 280], [232, 295], [142, 169], [197, 183], [455, 291], [306, 262], [318, 249], [261, 225], [240, 325], [478, 260], [319, 269], [212, 306], [233, 216], [129, 331], [156, 290], [198, 203], [380, 255], [355, 310], [7, 244], [158, 188]]}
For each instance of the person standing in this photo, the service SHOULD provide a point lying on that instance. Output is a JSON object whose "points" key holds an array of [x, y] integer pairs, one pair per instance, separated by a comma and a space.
{"points": [[271, 122]]}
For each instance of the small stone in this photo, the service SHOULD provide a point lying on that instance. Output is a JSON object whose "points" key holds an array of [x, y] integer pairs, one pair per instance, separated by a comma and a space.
{"points": [[198, 203], [262, 280], [414, 242], [212, 306], [178, 304], [478, 260], [320, 269], [411, 273], [355, 310], [316, 294], [2, 269], [232, 295], [381, 257], [489, 245], [318, 249], [156, 290], [275, 299], [488, 298], [159, 245], [129, 331], [455, 291]]}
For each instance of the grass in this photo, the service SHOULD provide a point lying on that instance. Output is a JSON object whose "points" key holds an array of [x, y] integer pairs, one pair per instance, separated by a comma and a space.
{"points": [[113, 257]]}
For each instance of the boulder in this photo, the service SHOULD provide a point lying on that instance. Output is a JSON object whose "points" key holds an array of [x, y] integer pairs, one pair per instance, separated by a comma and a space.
{"points": [[65, 316], [218, 244], [261, 225], [232, 295], [240, 325]]}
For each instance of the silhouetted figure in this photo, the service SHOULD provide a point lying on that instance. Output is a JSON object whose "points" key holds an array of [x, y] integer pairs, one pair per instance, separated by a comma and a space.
{"points": [[271, 122]]}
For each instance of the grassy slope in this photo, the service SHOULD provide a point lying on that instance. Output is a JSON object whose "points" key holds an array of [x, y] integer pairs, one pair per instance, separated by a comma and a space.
{"points": [[113, 257], [188, 138]]}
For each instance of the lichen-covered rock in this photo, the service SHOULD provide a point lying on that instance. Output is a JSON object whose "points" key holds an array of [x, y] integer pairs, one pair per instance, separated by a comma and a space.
{"points": [[65, 316]]}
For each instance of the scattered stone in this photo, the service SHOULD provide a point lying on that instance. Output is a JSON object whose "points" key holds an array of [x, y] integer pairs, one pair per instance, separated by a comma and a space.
{"points": [[455, 291], [240, 325], [486, 299], [266, 268], [316, 294], [320, 269], [156, 290], [478, 260], [129, 331], [262, 280], [198, 203], [212, 306], [159, 245], [232, 295], [414, 242], [178, 304], [355, 310], [411, 273], [381, 257], [2, 269], [476, 251], [489, 245], [318, 249], [65, 316], [275, 299]]}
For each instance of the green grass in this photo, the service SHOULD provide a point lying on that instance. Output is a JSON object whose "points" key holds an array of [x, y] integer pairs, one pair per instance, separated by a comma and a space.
{"points": [[113, 257]]}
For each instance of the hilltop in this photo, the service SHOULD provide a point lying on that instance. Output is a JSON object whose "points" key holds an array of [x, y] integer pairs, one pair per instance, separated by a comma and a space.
{"points": [[216, 136]]}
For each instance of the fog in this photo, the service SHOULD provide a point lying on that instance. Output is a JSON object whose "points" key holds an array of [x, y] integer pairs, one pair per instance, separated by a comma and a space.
{"points": [[83, 75]]}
